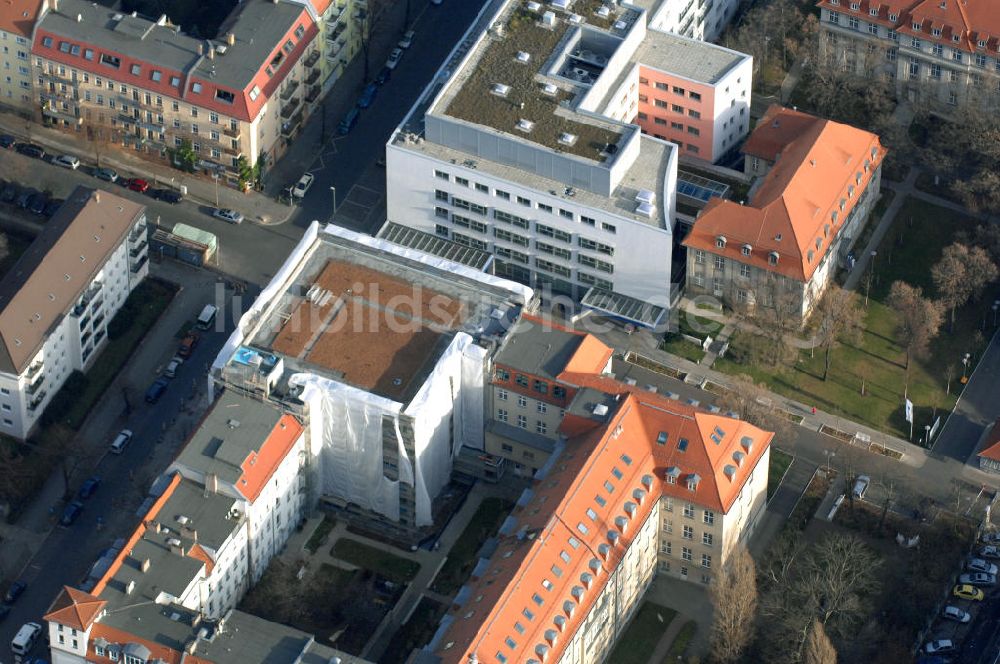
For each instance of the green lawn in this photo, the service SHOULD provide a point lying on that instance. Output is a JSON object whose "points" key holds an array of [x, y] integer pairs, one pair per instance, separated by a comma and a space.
{"points": [[462, 558], [318, 537], [678, 345], [910, 247], [642, 634], [780, 461], [417, 631], [392, 567], [681, 642]]}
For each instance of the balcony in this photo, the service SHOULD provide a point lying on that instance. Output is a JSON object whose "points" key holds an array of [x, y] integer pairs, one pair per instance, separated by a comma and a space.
{"points": [[232, 133], [289, 109], [85, 299], [53, 76], [313, 77], [50, 111], [335, 49], [141, 247], [312, 94], [312, 59], [137, 232], [33, 387], [33, 370], [289, 90], [335, 31], [291, 126], [135, 267], [36, 402]]}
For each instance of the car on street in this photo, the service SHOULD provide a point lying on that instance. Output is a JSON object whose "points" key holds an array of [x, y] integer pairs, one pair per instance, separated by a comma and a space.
{"points": [[36, 205], [990, 538], [25, 197], [71, 513], [225, 214], [991, 551], [31, 150], [383, 76], [66, 161], [965, 591], [367, 97], [407, 40], [4, 611], [121, 441], [15, 590], [939, 646], [436, 2], [954, 613], [89, 487], [172, 367], [860, 486], [394, 58], [168, 196], [980, 565], [302, 186], [139, 185], [347, 124], [978, 579], [24, 640], [106, 174], [7, 141], [187, 345], [156, 390]]}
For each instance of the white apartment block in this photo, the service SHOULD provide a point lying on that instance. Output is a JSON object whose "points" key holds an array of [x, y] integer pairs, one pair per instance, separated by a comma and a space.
{"points": [[697, 19], [57, 300]]}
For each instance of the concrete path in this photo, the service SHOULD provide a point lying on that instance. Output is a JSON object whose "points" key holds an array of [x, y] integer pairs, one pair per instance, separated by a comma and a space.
{"points": [[781, 505], [663, 646], [691, 602]]}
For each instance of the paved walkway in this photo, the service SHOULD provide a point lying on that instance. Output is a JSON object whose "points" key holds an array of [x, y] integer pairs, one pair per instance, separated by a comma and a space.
{"points": [[663, 646], [691, 602], [256, 206]]}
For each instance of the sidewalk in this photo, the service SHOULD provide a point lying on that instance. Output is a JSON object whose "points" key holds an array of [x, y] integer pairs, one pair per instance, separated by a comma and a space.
{"points": [[903, 190], [663, 645], [257, 207]]}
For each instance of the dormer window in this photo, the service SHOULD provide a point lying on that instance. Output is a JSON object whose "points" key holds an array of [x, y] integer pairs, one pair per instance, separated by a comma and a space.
{"points": [[936, 32], [772, 258], [981, 43], [834, 216], [692, 481], [916, 26], [873, 11], [747, 249], [893, 17], [855, 6], [826, 230], [819, 242], [720, 241], [810, 255]]}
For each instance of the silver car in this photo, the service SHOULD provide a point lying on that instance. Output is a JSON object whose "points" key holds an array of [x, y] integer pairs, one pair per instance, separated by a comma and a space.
{"points": [[980, 565], [978, 579], [225, 214]]}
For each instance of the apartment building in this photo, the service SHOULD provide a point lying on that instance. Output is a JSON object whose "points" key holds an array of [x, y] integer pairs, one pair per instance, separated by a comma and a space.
{"points": [[17, 25], [342, 25], [170, 594], [382, 350], [638, 485], [255, 454], [144, 85], [819, 181], [57, 300], [697, 19], [940, 53]]}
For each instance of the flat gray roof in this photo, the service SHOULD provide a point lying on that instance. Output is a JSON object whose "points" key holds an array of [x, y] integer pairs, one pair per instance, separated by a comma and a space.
{"points": [[523, 436], [247, 638], [411, 238], [234, 427], [587, 398], [691, 58], [628, 308], [538, 348]]}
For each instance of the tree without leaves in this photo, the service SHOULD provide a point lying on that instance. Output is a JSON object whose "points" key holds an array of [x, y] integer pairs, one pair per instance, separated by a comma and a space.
{"points": [[961, 273], [734, 601], [752, 403], [919, 320], [819, 650], [840, 318]]}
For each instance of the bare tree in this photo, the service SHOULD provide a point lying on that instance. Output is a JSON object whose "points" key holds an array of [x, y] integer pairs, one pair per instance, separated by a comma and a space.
{"points": [[962, 272], [776, 312], [734, 602], [819, 650], [840, 317], [752, 403], [919, 320], [837, 575], [890, 494]]}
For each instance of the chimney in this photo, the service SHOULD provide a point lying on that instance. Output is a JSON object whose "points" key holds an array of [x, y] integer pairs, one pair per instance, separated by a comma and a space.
{"points": [[201, 49], [97, 197], [230, 38], [211, 53], [55, 5], [79, 18], [144, 565]]}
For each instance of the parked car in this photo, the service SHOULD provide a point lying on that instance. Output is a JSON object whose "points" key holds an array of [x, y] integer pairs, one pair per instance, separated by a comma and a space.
{"points": [[990, 538], [188, 344], [965, 591], [954, 613], [7, 141], [383, 76], [89, 487], [225, 214], [978, 579], [347, 124], [407, 40], [980, 565], [139, 185], [52, 206], [15, 590], [394, 58], [9, 192], [24, 640], [71, 513], [367, 97], [4, 611], [939, 646], [156, 390], [172, 367], [106, 174], [991, 551], [31, 150], [24, 198], [66, 161], [168, 196], [121, 441], [37, 204], [302, 186], [861, 486]]}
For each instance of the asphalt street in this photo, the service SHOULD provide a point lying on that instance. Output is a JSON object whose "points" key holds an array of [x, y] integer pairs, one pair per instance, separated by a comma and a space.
{"points": [[978, 406]]}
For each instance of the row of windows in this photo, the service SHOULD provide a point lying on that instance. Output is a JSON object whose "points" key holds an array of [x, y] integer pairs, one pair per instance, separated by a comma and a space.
{"points": [[676, 89], [520, 222], [522, 422], [686, 554], [687, 532], [522, 401]]}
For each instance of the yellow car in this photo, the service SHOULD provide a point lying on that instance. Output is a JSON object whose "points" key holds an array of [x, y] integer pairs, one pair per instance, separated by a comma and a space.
{"points": [[965, 591]]}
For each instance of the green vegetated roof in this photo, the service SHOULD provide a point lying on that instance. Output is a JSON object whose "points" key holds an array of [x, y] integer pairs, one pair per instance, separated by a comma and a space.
{"points": [[475, 101]]}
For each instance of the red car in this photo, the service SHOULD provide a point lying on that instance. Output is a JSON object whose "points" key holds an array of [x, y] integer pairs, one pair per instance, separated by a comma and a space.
{"points": [[135, 184]]}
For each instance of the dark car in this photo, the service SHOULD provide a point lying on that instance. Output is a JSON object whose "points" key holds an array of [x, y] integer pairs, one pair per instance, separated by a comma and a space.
{"points": [[187, 346], [4, 611], [7, 141], [31, 150], [24, 199], [52, 207], [9, 192], [71, 513], [138, 184], [168, 195], [107, 174], [383, 76], [16, 590], [88, 488], [156, 390], [37, 204], [367, 97]]}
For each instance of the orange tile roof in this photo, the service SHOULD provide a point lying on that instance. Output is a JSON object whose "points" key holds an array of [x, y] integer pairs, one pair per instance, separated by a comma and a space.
{"points": [[591, 356], [19, 16], [258, 467], [75, 608], [793, 210], [198, 553], [157, 650], [991, 446]]}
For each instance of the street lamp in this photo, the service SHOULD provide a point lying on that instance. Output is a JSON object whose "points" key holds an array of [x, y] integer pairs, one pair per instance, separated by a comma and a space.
{"points": [[829, 454], [996, 305], [333, 192], [215, 176], [965, 367], [871, 273]]}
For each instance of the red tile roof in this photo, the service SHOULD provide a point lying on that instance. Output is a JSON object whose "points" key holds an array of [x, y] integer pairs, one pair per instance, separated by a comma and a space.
{"points": [[991, 446], [260, 466], [75, 608], [820, 173], [18, 16]]}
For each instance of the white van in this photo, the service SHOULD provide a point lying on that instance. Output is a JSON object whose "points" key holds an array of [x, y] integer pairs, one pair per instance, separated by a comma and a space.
{"points": [[25, 638], [121, 441], [207, 316]]}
